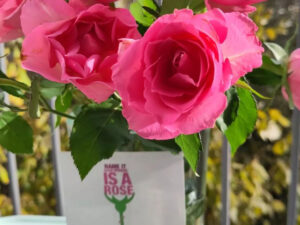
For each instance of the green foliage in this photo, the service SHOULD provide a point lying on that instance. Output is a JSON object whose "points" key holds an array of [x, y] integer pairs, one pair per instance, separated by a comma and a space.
{"points": [[9, 89], [191, 146], [168, 6], [196, 5], [96, 134], [144, 12], [155, 145], [264, 77], [50, 89], [270, 73], [194, 211], [15, 133], [63, 103], [243, 84], [278, 52], [238, 121]]}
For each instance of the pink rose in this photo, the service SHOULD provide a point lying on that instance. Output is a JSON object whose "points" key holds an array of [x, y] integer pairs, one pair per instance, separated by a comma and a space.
{"points": [[294, 77], [82, 4], [75, 48], [172, 81], [10, 25], [232, 5]]}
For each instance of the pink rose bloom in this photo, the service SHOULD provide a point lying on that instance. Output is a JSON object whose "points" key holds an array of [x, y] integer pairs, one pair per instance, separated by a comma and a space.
{"points": [[172, 81], [67, 47], [10, 25], [82, 4], [294, 78], [232, 5]]}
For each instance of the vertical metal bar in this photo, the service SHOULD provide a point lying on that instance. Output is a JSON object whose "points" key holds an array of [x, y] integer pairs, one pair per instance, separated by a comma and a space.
{"points": [[226, 162], [14, 183], [159, 2], [56, 147], [11, 158], [294, 161]]}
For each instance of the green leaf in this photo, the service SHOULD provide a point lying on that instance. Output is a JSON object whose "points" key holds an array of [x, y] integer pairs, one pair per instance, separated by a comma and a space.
{"points": [[279, 53], [196, 5], [168, 6], [191, 146], [245, 85], [2, 96], [50, 89], [96, 134], [15, 133], [62, 103], [231, 111], [270, 65], [161, 145], [243, 122], [144, 12], [11, 90], [269, 74], [195, 211], [264, 77]]}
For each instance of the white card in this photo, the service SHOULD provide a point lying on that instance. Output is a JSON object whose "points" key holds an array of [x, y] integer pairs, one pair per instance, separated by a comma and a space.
{"points": [[131, 188]]}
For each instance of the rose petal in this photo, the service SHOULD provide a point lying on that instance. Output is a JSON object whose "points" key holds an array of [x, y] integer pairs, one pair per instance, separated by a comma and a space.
{"points": [[243, 6], [37, 12], [10, 24], [242, 47], [39, 57]]}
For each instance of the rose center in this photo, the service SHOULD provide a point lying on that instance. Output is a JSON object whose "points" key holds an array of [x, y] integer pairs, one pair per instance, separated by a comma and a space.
{"points": [[178, 58]]}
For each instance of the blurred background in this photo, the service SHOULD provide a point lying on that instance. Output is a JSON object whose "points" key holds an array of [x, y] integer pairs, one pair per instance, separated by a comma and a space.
{"points": [[260, 170]]}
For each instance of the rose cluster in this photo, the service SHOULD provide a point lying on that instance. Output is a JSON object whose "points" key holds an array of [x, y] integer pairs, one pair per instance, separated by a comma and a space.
{"points": [[172, 80]]}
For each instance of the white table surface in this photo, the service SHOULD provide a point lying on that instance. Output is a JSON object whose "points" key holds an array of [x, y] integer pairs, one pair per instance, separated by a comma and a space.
{"points": [[33, 220]]}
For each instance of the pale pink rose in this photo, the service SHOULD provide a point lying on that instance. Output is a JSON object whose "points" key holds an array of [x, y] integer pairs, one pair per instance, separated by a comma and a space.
{"points": [[172, 81], [294, 77], [75, 48], [243, 6], [10, 25]]}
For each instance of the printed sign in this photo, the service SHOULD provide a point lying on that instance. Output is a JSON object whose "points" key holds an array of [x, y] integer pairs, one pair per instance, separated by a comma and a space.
{"points": [[132, 188], [118, 188]]}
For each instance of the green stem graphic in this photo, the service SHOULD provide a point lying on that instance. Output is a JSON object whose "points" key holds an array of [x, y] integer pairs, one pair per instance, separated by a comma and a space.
{"points": [[121, 218], [120, 205]]}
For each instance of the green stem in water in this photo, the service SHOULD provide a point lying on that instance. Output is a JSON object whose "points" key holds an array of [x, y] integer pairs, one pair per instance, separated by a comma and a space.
{"points": [[202, 167]]}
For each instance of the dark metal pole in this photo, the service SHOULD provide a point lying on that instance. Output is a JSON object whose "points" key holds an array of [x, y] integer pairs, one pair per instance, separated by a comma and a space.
{"points": [[294, 160], [14, 183], [11, 158]]}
